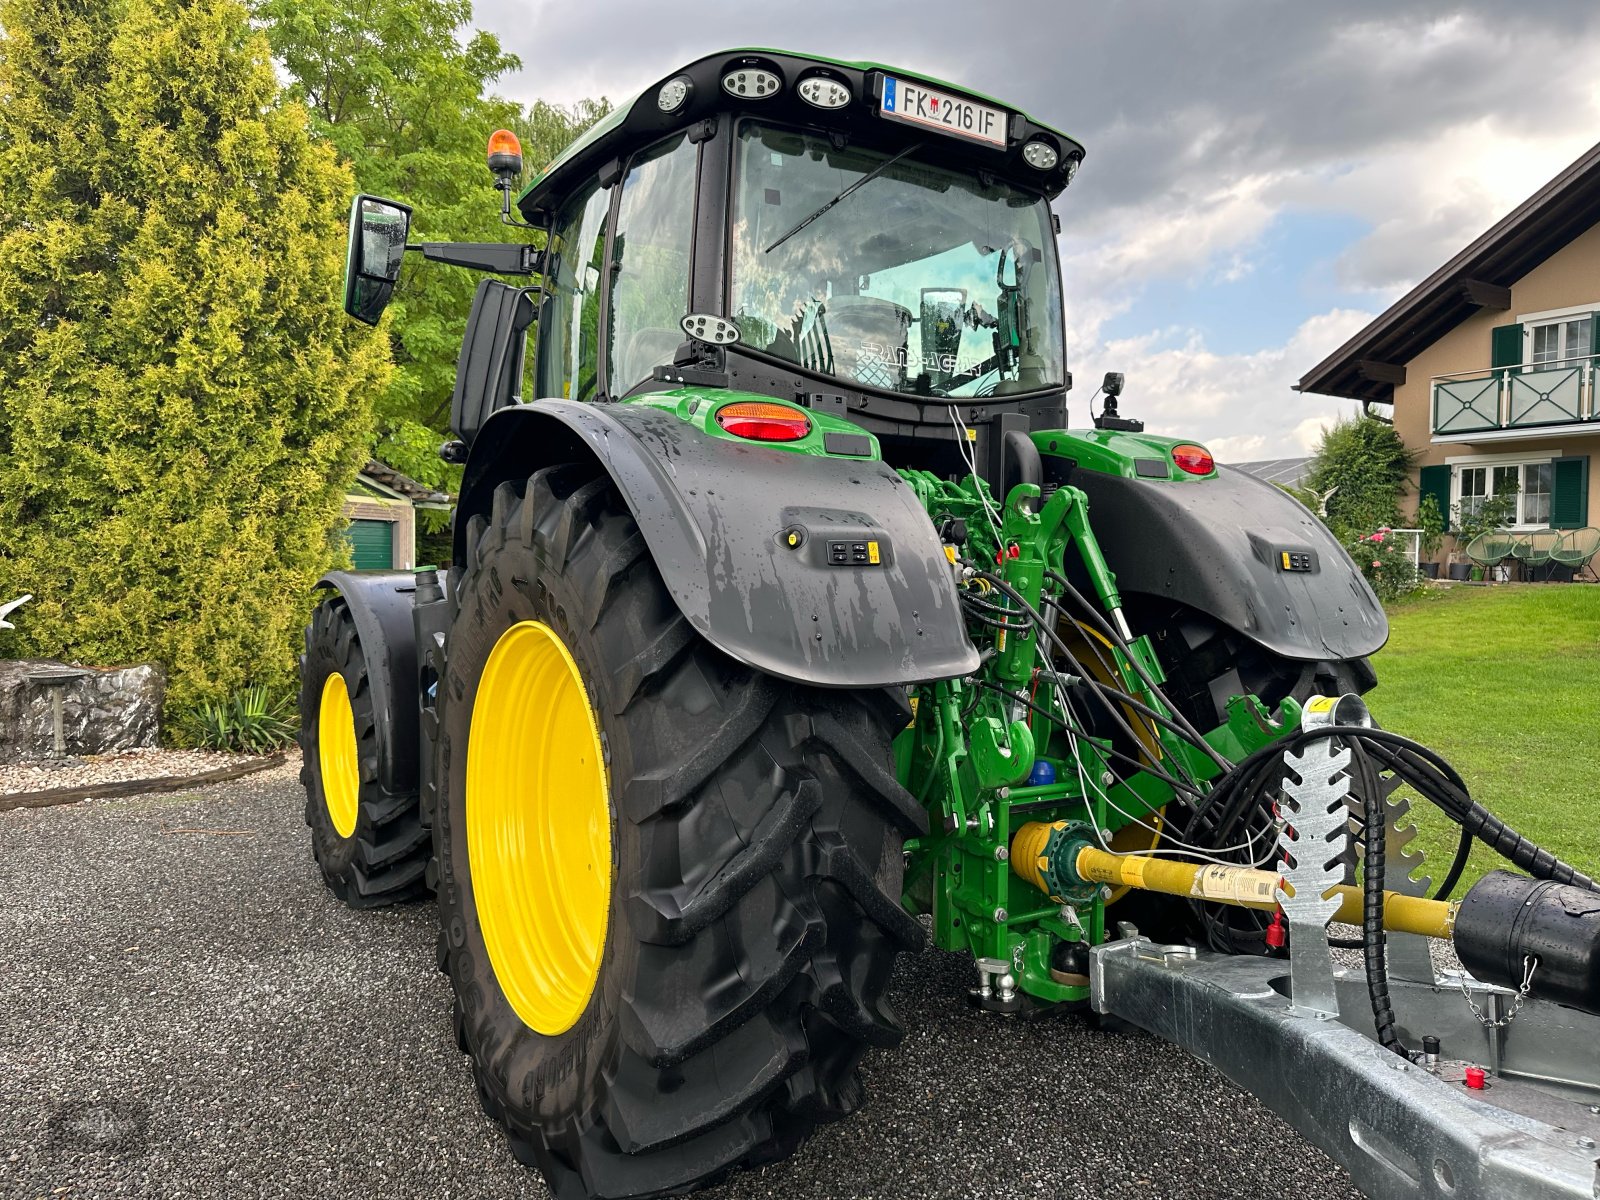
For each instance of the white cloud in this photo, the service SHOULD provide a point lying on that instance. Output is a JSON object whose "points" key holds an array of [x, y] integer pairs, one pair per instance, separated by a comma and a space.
{"points": [[1239, 405], [1423, 199]]}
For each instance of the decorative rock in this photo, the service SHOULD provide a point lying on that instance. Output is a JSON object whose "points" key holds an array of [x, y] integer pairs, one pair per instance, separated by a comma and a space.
{"points": [[102, 709]]}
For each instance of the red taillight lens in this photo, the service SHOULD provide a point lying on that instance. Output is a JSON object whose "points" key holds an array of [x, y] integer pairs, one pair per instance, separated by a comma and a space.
{"points": [[764, 422], [1196, 460]]}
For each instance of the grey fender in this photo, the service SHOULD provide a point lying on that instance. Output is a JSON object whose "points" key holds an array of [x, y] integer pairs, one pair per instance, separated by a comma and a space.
{"points": [[1216, 546], [716, 514], [380, 603]]}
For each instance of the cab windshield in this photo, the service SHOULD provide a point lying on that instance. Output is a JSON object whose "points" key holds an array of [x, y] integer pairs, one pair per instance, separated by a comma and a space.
{"points": [[923, 281]]}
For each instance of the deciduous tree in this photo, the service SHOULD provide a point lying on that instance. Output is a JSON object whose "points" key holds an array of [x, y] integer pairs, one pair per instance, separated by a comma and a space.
{"points": [[1361, 466], [403, 89]]}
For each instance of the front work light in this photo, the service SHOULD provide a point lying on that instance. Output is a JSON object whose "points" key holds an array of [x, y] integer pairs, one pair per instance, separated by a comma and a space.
{"points": [[751, 82], [763, 422], [672, 94], [1041, 155], [821, 92], [708, 327]]}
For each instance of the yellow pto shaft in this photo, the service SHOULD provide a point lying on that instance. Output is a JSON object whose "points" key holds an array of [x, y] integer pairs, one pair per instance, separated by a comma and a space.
{"points": [[1216, 882], [1251, 888]]}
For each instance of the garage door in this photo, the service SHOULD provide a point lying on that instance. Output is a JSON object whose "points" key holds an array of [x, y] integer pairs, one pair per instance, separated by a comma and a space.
{"points": [[372, 545]]}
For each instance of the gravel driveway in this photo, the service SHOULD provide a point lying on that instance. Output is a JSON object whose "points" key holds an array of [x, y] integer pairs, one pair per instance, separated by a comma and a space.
{"points": [[185, 1011]]}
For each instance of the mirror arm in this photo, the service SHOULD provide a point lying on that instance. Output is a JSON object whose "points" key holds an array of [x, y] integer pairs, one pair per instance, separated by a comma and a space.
{"points": [[499, 258]]}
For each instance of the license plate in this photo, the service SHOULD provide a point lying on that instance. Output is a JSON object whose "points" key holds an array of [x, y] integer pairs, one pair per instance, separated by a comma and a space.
{"points": [[917, 104]]}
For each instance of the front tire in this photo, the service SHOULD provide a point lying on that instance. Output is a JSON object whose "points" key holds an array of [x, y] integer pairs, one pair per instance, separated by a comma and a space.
{"points": [[370, 845], [753, 833]]}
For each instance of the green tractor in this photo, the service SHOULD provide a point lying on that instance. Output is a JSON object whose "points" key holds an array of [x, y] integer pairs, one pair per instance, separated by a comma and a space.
{"points": [[788, 620]]}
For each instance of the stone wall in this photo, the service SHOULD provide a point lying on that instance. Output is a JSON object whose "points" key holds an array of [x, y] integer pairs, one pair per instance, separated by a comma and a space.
{"points": [[102, 708]]}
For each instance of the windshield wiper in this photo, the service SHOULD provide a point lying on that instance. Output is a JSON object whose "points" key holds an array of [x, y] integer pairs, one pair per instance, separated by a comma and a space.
{"points": [[865, 179]]}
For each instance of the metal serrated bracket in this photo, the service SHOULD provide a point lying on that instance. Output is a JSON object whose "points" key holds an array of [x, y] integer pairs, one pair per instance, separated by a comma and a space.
{"points": [[1408, 954], [1313, 826]]}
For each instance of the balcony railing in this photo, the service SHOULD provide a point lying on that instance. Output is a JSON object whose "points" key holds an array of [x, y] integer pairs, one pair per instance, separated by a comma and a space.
{"points": [[1512, 398]]}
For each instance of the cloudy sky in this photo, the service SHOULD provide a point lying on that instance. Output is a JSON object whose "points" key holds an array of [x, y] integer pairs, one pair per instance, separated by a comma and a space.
{"points": [[1263, 176]]}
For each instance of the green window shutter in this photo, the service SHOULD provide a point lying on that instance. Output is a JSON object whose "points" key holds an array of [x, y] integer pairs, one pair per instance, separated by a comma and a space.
{"points": [[1569, 492], [1594, 333], [1435, 482], [371, 545], [1505, 346]]}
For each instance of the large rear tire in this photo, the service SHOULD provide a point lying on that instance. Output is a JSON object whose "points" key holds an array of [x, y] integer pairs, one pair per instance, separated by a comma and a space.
{"points": [[1206, 663], [371, 846], [711, 1003]]}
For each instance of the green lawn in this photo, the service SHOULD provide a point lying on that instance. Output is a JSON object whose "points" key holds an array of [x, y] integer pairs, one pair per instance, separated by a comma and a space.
{"points": [[1504, 682]]}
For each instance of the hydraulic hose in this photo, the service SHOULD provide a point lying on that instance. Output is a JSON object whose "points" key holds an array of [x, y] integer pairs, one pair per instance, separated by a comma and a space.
{"points": [[1375, 946], [1030, 466]]}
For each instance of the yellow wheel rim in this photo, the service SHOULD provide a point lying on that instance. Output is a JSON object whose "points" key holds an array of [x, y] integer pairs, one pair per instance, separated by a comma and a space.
{"points": [[336, 748], [538, 827]]}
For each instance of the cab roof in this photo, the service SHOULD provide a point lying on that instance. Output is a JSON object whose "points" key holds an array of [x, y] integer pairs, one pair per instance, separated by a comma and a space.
{"points": [[639, 121]]}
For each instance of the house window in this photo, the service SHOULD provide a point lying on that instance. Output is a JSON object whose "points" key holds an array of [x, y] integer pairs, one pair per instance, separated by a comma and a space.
{"points": [[1556, 342], [1472, 481], [1534, 502], [1530, 481]]}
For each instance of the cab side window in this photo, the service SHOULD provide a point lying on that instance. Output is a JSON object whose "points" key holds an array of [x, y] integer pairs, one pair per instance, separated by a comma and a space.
{"points": [[650, 263], [569, 326]]}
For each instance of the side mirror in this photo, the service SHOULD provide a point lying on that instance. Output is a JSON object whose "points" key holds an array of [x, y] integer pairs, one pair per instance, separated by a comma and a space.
{"points": [[378, 232]]}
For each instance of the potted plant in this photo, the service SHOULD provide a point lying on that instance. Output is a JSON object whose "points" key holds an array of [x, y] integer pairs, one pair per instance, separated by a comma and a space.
{"points": [[1431, 521]]}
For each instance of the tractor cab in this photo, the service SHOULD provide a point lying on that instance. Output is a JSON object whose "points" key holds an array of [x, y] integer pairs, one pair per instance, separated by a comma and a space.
{"points": [[881, 244]]}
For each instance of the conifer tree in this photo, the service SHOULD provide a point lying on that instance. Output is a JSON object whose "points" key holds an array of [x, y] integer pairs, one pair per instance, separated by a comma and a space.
{"points": [[184, 404]]}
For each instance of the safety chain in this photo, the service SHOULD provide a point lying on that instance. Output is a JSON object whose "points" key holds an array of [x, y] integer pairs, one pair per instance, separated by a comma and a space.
{"points": [[1529, 962]]}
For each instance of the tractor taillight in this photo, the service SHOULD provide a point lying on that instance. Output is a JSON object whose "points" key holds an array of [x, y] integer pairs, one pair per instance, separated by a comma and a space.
{"points": [[763, 422], [1196, 460]]}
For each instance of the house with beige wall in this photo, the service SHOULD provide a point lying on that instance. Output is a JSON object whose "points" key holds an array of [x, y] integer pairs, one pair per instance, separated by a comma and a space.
{"points": [[1488, 368]]}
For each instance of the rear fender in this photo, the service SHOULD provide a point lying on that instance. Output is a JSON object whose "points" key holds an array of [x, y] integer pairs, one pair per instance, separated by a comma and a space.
{"points": [[380, 603], [716, 515], [1217, 544]]}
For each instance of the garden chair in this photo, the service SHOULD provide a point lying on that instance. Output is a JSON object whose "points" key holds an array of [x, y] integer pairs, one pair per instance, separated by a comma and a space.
{"points": [[1532, 551], [1489, 549], [1576, 550]]}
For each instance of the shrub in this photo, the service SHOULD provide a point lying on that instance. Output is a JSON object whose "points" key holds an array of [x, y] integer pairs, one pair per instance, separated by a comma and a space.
{"points": [[250, 721], [1431, 522], [1385, 562], [1493, 512]]}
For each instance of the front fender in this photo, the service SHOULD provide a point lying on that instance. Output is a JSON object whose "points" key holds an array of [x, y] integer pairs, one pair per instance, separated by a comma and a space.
{"points": [[380, 604], [716, 515]]}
